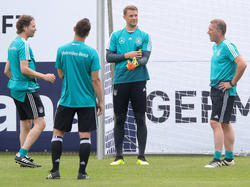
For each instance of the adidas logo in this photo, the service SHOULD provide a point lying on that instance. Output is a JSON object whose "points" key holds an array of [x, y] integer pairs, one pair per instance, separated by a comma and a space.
{"points": [[40, 110], [216, 116]]}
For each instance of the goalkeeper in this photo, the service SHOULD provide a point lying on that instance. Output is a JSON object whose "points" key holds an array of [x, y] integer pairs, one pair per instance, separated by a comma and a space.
{"points": [[129, 49]]}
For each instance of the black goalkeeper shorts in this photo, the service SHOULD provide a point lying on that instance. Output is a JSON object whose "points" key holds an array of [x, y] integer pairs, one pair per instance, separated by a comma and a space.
{"points": [[134, 92]]}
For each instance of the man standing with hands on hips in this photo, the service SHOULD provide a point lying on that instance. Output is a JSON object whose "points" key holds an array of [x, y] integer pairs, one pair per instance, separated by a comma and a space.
{"points": [[227, 67]]}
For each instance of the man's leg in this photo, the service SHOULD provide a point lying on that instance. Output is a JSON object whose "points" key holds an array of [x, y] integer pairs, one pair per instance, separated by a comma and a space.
{"points": [[120, 101], [228, 137], [218, 144], [218, 138], [25, 127], [21, 157], [84, 152], [28, 112], [63, 123], [56, 152], [39, 125], [219, 104], [119, 133], [56, 148], [138, 101], [141, 133], [229, 144], [86, 124], [228, 133]]}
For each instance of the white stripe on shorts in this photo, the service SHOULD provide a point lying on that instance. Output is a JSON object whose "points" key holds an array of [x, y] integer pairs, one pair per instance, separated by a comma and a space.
{"points": [[96, 118], [33, 105], [224, 106]]}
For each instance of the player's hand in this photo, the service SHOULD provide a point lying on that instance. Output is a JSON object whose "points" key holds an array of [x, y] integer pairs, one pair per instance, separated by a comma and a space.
{"points": [[134, 54], [100, 108], [225, 86], [132, 64], [50, 77]]}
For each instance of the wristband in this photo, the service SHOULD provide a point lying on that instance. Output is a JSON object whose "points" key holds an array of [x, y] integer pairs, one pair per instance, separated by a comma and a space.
{"points": [[231, 83]]}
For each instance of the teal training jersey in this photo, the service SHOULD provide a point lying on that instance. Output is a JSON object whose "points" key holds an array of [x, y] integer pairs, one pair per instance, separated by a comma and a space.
{"points": [[123, 42], [77, 60], [223, 67], [20, 84]]}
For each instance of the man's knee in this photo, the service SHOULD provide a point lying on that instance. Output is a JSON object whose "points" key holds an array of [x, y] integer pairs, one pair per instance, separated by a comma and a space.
{"points": [[40, 123], [26, 124], [85, 134], [215, 124], [57, 132]]}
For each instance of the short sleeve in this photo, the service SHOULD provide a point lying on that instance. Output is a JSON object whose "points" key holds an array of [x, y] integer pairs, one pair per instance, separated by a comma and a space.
{"points": [[24, 51], [95, 65], [147, 44], [58, 59], [112, 43], [231, 51]]}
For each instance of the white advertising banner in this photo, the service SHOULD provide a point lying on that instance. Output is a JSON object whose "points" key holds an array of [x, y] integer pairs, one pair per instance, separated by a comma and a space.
{"points": [[55, 20], [179, 109]]}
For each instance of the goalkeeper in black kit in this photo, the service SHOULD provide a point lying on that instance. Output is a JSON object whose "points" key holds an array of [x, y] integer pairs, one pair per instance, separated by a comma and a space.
{"points": [[129, 49]]}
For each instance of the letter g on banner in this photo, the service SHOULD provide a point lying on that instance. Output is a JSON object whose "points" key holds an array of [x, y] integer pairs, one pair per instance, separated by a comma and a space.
{"points": [[165, 108]]}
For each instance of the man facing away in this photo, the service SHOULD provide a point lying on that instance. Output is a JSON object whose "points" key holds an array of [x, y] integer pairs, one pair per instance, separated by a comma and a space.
{"points": [[78, 66], [129, 49], [227, 67], [21, 70]]}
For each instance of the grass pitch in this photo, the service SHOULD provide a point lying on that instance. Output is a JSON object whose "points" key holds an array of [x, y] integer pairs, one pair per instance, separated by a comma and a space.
{"points": [[162, 171]]}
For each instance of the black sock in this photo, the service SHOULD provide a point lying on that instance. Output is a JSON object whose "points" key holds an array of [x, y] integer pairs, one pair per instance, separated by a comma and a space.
{"points": [[56, 150], [141, 132], [84, 152]]}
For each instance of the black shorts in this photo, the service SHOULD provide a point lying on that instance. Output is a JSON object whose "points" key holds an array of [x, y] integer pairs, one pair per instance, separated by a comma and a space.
{"points": [[31, 108], [222, 105], [65, 115], [135, 92]]}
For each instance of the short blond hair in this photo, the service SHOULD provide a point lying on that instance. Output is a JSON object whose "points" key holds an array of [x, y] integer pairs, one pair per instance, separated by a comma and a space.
{"points": [[129, 7], [220, 25]]}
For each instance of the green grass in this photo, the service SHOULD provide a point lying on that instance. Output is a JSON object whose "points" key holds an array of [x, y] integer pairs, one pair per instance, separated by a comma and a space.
{"points": [[162, 171]]}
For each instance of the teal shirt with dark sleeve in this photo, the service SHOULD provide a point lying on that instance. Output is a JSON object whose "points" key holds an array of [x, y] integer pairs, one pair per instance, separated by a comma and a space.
{"points": [[123, 42], [20, 84], [223, 67], [78, 61]]}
